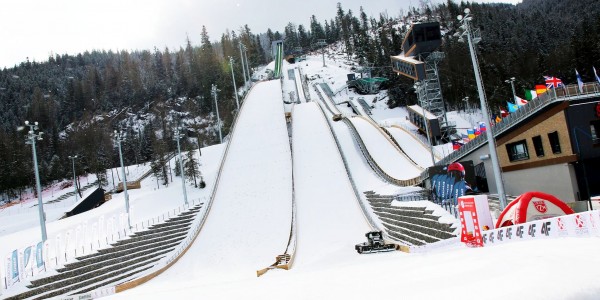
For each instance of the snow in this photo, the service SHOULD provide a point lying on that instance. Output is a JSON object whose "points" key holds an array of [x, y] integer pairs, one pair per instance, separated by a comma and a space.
{"points": [[326, 204], [388, 157], [249, 221], [414, 149]]}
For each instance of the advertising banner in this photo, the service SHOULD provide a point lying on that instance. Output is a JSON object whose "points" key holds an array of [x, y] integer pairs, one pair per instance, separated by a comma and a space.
{"points": [[452, 181], [575, 225], [14, 268], [27, 261], [39, 258], [475, 217]]}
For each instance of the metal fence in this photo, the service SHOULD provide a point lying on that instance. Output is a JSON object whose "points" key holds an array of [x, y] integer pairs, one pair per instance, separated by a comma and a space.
{"points": [[569, 93]]}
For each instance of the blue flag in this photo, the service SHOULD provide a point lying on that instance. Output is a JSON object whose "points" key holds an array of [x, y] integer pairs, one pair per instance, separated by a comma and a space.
{"points": [[512, 107], [596, 75], [579, 81]]}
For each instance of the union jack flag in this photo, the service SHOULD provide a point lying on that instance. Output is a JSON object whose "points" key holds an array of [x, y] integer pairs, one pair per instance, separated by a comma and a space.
{"points": [[553, 82]]}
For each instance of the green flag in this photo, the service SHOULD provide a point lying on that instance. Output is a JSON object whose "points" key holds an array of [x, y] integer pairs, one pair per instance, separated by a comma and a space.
{"points": [[530, 94]]}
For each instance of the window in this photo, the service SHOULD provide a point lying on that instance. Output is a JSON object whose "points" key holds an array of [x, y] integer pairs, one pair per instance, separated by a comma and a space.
{"points": [[537, 145], [517, 151], [554, 142], [595, 131]]}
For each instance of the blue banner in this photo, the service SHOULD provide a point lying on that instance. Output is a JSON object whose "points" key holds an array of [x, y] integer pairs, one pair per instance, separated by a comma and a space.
{"points": [[26, 257], [39, 258], [14, 266]]}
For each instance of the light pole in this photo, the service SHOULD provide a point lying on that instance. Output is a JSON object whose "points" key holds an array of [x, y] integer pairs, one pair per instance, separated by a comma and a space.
{"points": [[72, 158], [119, 138], [323, 43], [214, 92], [490, 137], [243, 67], [31, 137], [179, 135], [466, 99], [247, 65], [419, 85], [512, 85], [237, 101]]}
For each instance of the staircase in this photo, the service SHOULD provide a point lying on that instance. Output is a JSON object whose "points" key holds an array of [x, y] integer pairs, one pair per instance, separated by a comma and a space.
{"points": [[119, 263], [415, 226], [71, 193]]}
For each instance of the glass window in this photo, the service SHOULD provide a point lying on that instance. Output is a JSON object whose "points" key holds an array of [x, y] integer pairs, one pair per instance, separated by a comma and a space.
{"points": [[517, 151], [554, 142], [537, 145]]}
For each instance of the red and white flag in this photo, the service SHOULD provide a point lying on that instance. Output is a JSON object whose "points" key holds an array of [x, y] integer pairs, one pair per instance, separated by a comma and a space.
{"points": [[520, 101]]}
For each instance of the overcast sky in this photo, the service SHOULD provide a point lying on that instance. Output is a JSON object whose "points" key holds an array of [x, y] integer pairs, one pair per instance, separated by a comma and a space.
{"points": [[38, 28]]}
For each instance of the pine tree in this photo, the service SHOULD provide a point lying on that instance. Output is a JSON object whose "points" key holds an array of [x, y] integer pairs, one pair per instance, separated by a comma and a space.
{"points": [[191, 168]]}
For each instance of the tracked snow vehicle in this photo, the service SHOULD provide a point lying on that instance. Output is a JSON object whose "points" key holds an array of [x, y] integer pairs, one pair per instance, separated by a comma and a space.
{"points": [[374, 244]]}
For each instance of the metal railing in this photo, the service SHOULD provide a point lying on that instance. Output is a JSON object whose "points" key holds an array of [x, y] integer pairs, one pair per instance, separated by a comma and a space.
{"points": [[570, 92]]}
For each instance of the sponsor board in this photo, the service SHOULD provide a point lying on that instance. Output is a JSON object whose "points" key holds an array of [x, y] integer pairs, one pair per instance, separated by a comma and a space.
{"points": [[583, 224], [475, 217]]}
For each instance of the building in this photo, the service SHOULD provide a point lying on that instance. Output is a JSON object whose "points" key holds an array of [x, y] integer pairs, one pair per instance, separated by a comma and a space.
{"points": [[415, 116], [551, 144]]}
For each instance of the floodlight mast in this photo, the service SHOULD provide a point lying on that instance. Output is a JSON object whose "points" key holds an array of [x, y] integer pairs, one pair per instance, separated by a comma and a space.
{"points": [[31, 138], [490, 137]]}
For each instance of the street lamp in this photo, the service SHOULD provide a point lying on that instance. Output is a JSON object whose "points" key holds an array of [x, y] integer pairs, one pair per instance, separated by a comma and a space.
{"points": [[177, 136], [119, 137], [72, 158], [466, 99], [247, 65], [419, 85], [243, 66], [473, 37], [214, 92], [512, 85], [31, 137], [323, 43], [237, 101]]}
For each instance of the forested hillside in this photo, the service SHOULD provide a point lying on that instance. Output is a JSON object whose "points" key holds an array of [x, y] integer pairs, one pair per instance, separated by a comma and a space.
{"points": [[79, 100]]}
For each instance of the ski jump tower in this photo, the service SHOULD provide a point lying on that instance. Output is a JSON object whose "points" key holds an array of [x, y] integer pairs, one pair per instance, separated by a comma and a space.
{"points": [[419, 61], [277, 50]]}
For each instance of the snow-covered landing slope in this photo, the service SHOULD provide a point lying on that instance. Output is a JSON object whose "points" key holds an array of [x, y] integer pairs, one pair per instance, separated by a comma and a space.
{"points": [[412, 147], [388, 157], [329, 218], [249, 222]]}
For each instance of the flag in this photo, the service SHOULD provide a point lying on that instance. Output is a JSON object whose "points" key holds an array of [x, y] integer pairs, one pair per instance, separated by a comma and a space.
{"points": [[540, 89], [512, 107], [530, 94], [465, 138], [477, 131], [579, 81], [503, 113], [520, 101], [482, 127], [498, 119], [596, 75], [553, 82], [456, 145], [471, 133]]}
